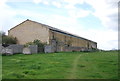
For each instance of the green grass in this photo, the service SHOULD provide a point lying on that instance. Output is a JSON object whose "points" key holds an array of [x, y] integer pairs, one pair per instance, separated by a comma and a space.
{"points": [[91, 65]]}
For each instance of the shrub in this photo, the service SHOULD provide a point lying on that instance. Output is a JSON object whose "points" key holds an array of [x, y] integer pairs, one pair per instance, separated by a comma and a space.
{"points": [[38, 43], [6, 40], [29, 43], [94, 49], [9, 40]]}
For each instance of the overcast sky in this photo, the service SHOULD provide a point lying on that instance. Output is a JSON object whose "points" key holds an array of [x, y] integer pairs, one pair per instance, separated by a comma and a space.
{"points": [[96, 20]]}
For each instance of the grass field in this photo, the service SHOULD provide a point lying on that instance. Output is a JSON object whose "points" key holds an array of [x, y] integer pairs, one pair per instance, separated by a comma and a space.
{"points": [[70, 65]]}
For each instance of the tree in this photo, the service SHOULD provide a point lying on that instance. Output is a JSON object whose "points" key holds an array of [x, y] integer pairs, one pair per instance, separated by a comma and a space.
{"points": [[7, 40]]}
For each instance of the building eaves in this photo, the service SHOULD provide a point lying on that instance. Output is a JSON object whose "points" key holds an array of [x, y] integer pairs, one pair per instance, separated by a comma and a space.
{"points": [[54, 29], [64, 32]]}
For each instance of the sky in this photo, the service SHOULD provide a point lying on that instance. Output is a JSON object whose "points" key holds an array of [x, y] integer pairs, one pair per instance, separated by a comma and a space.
{"points": [[96, 20]]}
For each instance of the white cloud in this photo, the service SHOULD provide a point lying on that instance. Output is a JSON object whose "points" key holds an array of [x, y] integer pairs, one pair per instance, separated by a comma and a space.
{"points": [[57, 4], [105, 10], [73, 2], [69, 6], [6, 15], [74, 11], [62, 22], [37, 1], [2, 2], [46, 2], [78, 13]]}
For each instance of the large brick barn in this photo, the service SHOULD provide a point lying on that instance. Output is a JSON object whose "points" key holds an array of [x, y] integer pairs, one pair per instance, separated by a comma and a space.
{"points": [[28, 31]]}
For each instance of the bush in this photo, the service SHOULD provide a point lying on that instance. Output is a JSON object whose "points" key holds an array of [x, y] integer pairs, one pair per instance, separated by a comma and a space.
{"points": [[95, 49], [29, 43], [38, 43], [7, 40]]}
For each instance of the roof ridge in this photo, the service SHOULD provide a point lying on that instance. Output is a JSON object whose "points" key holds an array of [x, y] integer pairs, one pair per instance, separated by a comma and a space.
{"points": [[52, 28]]}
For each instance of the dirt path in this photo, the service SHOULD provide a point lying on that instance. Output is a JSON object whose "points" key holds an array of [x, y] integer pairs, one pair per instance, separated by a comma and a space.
{"points": [[74, 69]]}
